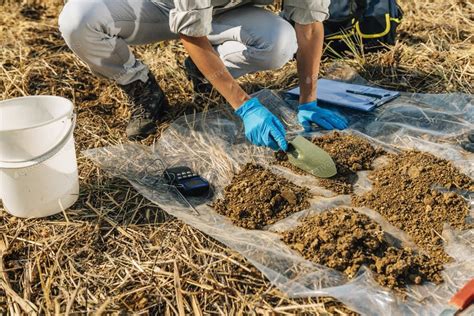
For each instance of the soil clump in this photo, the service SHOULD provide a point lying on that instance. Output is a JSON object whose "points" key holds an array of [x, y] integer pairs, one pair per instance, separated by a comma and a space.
{"points": [[350, 153], [404, 193], [257, 197], [344, 240]]}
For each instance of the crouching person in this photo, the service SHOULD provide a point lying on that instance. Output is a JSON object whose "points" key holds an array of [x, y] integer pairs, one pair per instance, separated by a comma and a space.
{"points": [[225, 39]]}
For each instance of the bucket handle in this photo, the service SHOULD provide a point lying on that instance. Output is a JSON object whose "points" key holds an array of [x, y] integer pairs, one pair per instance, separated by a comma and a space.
{"points": [[50, 152]]}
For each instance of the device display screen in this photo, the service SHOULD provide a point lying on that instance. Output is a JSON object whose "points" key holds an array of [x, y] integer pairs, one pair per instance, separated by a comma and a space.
{"points": [[194, 182]]}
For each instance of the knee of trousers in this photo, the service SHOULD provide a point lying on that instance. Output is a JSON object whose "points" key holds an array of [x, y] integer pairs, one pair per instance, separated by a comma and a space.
{"points": [[78, 21], [278, 49]]}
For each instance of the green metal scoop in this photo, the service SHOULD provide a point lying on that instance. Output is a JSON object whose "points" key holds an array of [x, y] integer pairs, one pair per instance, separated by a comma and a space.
{"points": [[307, 156]]}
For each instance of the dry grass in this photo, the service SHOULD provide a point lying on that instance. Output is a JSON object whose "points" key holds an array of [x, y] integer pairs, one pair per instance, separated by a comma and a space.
{"points": [[435, 51], [114, 250]]}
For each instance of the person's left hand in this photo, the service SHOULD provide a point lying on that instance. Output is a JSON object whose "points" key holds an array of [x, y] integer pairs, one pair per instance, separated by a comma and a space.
{"points": [[309, 113]]}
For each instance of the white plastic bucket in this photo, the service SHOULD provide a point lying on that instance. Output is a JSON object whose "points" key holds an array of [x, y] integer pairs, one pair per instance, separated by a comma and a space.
{"points": [[38, 166]]}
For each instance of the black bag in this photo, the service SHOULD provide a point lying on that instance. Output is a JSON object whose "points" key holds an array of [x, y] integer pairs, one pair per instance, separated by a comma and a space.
{"points": [[366, 24]]}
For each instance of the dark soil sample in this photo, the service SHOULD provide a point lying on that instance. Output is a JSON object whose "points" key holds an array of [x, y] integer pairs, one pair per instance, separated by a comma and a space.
{"points": [[350, 153], [344, 239], [256, 198], [403, 192]]}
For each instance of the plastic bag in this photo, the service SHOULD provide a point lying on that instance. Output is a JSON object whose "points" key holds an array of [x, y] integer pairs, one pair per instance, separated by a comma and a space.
{"points": [[213, 144]]}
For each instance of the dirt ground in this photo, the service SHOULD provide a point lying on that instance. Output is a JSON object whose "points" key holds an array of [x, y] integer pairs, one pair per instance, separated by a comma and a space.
{"points": [[114, 251], [350, 153], [256, 198], [404, 192], [344, 239]]}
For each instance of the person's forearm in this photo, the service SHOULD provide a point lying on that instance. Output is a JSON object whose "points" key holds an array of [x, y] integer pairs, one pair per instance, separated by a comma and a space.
{"points": [[310, 48], [212, 67]]}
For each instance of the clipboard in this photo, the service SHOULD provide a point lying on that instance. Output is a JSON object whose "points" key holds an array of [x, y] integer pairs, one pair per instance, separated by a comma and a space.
{"points": [[354, 96]]}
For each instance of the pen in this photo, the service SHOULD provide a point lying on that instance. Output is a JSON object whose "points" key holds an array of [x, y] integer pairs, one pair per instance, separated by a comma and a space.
{"points": [[367, 94]]}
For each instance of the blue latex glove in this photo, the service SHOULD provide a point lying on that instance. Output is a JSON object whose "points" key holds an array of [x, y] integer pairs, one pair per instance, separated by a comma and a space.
{"points": [[262, 128], [311, 113]]}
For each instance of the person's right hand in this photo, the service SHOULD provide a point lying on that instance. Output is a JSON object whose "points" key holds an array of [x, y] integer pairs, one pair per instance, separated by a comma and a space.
{"points": [[262, 128]]}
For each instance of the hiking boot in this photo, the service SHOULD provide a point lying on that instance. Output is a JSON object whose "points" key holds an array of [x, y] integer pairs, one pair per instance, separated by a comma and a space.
{"points": [[147, 104], [201, 85]]}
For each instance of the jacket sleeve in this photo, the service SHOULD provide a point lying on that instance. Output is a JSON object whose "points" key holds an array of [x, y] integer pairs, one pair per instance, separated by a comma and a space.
{"points": [[191, 17], [306, 11]]}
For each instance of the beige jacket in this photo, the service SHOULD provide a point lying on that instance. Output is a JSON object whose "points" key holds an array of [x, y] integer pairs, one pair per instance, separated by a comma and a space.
{"points": [[194, 17]]}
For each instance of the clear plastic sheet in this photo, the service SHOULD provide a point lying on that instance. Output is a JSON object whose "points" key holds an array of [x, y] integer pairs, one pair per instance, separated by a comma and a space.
{"points": [[213, 144]]}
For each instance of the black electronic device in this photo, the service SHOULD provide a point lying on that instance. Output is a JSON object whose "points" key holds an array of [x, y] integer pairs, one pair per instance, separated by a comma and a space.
{"points": [[186, 181]]}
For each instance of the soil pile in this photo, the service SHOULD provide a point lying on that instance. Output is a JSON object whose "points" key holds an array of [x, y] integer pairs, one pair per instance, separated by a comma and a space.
{"points": [[350, 153], [344, 239], [256, 198], [403, 193]]}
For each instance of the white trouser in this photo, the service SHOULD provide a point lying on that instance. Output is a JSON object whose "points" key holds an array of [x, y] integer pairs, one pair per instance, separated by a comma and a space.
{"points": [[247, 38]]}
